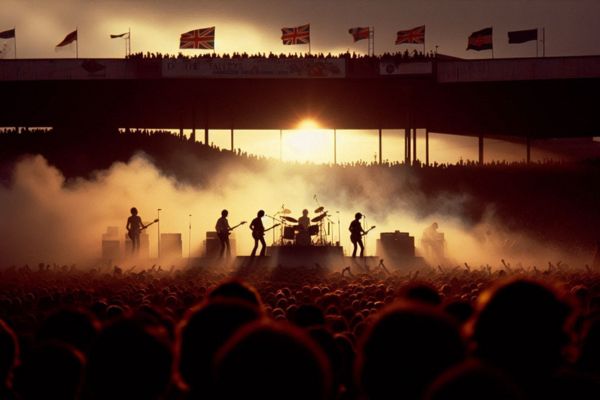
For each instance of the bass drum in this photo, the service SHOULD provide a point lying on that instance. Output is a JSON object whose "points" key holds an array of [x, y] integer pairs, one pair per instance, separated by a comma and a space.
{"points": [[288, 233]]}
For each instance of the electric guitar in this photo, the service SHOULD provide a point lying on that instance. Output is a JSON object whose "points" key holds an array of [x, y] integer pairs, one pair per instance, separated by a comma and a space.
{"points": [[368, 230], [257, 235], [228, 232], [131, 232], [355, 236]]}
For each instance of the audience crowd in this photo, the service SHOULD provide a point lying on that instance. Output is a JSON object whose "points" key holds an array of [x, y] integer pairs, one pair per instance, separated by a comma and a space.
{"points": [[509, 333]]}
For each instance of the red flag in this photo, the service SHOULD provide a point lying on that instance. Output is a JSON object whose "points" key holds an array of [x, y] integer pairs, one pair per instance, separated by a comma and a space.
{"points": [[296, 35], [522, 36], [198, 39], [359, 33], [480, 40], [415, 36], [70, 38]]}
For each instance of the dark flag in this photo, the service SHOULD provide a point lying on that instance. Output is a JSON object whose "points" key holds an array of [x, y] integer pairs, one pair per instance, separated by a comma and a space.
{"points": [[480, 40], [9, 34], [522, 36], [414, 36], [198, 39], [296, 35], [70, 38], [122, 35], [359, 33]]}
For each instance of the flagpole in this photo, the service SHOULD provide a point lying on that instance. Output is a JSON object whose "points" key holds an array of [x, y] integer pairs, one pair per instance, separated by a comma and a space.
{"points": [[492, 42], [373, 44], [544, 42]]}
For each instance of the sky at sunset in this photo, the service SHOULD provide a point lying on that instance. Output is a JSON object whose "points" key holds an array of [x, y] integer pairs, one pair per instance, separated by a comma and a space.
{"points": [[571, 28], [254, 26]]}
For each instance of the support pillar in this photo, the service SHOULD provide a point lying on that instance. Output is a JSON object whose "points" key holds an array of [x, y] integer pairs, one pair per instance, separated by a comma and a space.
{"points": [[480, 150], [528, 150], [427, 147], [380, 147], [232, 146], [414, 145], [407, 146], [334, 147], [206, 138]]}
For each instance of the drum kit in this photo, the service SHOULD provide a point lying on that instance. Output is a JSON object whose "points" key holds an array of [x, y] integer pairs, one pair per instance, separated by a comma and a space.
{"points": [[318, 232]]}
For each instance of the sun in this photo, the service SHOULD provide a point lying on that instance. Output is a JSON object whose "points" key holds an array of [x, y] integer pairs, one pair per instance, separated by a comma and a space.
{"points": [[308, 124], [308, 143]]}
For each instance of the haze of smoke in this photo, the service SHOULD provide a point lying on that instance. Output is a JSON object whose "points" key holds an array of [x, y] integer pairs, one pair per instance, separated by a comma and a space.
{"points": [[47, 219]]}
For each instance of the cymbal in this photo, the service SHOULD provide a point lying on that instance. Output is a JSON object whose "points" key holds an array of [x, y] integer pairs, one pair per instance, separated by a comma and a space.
{"points": [[286, 211], [318, 218], [319, 210], [290, 219]]}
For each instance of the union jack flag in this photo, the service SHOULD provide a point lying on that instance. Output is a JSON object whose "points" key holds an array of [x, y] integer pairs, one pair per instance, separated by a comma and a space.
{"points": [[414, 35], [198, 39], [297, 35], [359, 33]]}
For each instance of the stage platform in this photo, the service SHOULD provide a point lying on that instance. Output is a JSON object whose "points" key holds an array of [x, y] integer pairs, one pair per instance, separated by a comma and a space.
{"points": [[297, 256]]}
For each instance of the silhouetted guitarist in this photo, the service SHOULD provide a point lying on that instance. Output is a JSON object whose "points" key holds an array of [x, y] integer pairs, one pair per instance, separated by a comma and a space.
{"points": [[258, 233], [356, 234], [134, 228], [223, 230]]}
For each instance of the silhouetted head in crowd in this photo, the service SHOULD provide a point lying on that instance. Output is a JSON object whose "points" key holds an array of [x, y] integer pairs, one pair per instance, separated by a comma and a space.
{"points": [[202, 332], [267, 360], [407, 346], [9, 353], [236, 290], [473, 380], [129, 360], [53, 370], [520, 327], [308, 315], [421, 292], [74, 327]]}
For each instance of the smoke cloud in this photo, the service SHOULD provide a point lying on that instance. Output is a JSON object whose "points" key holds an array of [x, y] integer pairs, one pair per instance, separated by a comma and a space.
{"points": [[46, 218]]}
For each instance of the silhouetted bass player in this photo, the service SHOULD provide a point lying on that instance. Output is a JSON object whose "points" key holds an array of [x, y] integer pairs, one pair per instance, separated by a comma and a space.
{"points": [[134, 229], [356, 234], [258, 233], [223, 230]]}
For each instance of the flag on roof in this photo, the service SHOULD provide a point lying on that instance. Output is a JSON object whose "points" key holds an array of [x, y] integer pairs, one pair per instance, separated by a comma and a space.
{"points": [[9, 34], [480, 40], [70, 38], [359, 33], [414, 35], [296, 35], [522, 36], [121, 35], [198, 39]]}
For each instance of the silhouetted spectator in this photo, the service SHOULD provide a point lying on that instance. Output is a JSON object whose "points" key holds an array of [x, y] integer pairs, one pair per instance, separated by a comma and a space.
{"points": [[268, 361], [235, 289], [53, 370], [405, 349], [520, 328], [74, 327], [201, 334], [129, 361]]}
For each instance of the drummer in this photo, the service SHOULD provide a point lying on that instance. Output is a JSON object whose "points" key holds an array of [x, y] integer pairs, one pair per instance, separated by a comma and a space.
{"points": [[304, 221]]}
